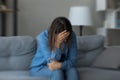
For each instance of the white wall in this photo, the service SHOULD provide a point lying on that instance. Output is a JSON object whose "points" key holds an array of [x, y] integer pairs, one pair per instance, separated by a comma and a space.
{"points": [[36, 15]]}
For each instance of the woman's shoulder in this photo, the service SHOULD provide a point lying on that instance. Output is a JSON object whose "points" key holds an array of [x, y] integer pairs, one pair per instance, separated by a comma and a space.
{"points": [[43, 34]]}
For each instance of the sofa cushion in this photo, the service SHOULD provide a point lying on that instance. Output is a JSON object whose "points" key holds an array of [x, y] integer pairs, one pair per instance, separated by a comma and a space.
{"points": [[89, 47], [85, 59], [90, 42], [98, 74], [16, 52], [18, 75], [110, 58]]}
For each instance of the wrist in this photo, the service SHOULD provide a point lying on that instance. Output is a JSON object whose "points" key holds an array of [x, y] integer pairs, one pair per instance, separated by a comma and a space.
{"points": [[57, 45], [59, 65]]}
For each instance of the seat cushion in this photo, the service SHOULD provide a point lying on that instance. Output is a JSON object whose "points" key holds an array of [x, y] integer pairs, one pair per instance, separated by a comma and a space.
{"points": [[18, 75], [98, 74]]}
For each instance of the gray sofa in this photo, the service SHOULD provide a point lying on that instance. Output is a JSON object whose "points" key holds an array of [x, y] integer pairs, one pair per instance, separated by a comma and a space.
{"points": [[16, 53], [95, 62]]}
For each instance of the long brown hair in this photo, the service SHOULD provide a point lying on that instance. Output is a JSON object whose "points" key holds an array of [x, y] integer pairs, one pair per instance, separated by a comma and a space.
{"points": [[58, 25]]}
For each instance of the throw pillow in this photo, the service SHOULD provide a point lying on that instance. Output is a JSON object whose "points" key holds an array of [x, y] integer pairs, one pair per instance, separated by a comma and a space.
{"points": [[86, 58], [110, 58]]}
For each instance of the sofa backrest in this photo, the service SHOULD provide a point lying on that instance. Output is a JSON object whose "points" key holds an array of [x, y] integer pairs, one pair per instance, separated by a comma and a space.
{"points": [[16, 52], [89, 47]]}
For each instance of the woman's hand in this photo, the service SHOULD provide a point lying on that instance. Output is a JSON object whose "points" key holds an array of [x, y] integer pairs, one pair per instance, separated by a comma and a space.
{"points": [[61, 37], [54, 65]]}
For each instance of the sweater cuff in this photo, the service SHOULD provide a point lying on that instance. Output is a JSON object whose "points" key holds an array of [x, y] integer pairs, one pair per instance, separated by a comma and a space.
{"points": [[53, 55], [55, 52], [48, 61]]}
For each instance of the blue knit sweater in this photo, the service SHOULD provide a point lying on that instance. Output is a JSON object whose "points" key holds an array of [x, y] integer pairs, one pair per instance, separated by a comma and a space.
{"points": [[43, 53]]}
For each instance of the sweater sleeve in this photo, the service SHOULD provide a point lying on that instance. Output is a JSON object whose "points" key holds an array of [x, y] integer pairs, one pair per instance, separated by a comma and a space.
{"points": [[72, 55]]}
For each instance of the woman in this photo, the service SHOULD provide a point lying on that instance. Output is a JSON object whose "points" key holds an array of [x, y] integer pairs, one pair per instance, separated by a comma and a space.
{"points": [[56, 52]]}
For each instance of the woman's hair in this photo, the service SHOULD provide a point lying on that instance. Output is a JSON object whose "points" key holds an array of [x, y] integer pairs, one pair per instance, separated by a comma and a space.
{"points": [[58, 25]]}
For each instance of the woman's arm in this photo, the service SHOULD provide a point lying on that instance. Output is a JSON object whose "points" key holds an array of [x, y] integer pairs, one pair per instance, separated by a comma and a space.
{"points": [[71, 60], [72, 55], [43, 48]]}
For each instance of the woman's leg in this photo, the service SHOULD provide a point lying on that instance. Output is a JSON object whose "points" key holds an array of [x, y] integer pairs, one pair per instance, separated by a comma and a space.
{"points": [[71, 74], [45, 72], [57, 75]]}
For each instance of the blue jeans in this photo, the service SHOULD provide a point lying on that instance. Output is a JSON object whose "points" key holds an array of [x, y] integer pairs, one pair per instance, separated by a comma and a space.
{"points": [[70, 74]]}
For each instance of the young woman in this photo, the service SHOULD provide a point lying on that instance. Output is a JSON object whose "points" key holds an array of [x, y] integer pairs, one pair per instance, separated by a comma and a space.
{"points": [[56, 52]]}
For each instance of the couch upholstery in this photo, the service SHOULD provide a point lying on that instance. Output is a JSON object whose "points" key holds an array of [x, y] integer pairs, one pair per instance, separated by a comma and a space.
{"points": [[89, 47], [97, 62], [16, 53]]}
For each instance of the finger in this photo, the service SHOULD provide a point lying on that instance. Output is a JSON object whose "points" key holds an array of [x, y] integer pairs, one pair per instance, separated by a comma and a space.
{"points": [[54, 62], [60, 39], [62, 32], [63, 37], [67, 35], [50, 66]]}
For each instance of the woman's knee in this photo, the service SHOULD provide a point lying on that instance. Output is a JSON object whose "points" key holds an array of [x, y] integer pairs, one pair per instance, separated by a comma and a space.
{"points": [[72, 74], [57, 72], [57, 75], [72, 70]]}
